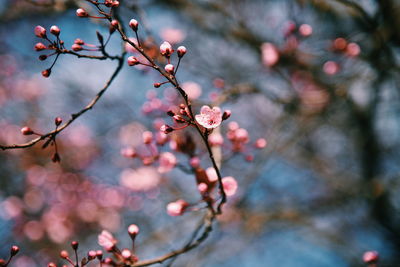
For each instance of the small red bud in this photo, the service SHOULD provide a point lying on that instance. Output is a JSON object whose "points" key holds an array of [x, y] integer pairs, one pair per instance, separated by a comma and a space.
{"points": [[179, 119], [371, 257], [51, 264], [181, 51], [14, 250], [108, 3], [55, 30], [40, 47], [115, 4], [114, 23], [132, 61], [64, 254], [92, 254], [58, 121], [134, 24], [99, 254], [26, 131], [166, 129], [46, 73], [42, 57], [80, 12], [157, 85]]}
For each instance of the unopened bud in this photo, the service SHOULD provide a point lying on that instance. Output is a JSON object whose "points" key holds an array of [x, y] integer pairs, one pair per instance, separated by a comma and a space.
{"points": [[133, 230], [226, 114], [134, 24], [179, 119], [99, 254], [26, 131], [14, 250], [42, 57], [181, 51], [79, 41], [46, 73], [40, 31], [371, 257], [157, 85], [55, 30], [57, 122], [40, 47], [169, 68], [76, 47], [126, 254], [64, 254], [74, 244], [91, 254], [115, 4], [80, 12], [166, 129], [51, 264], [166, 49], [132, 61]]}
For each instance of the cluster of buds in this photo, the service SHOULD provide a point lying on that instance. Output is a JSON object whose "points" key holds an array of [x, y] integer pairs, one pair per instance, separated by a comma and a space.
{"points": [[56, 45], [13, 251]]}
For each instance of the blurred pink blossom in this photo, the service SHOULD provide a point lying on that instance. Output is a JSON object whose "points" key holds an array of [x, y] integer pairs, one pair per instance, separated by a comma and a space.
{"points": [[106, 240], [172, 35], [141, 179], [230, 185], [269, 54], [167, 162]]}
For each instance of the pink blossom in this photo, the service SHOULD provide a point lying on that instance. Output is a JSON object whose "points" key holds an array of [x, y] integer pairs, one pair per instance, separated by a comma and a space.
{"points": [[126, 254], [192, 89], [167, 162], [106, 240], [166, 49], [305, 30], [212, 174], [269, 54], [261, 143], [216, 139], [230, 185], [353, 50], [331, 67], [370, 256], [177, 208], [209, 118], [242, 135], [141, 179], [173, 36]]}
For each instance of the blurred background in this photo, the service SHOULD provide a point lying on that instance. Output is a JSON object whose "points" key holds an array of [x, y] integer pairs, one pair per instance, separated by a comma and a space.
{"points": [[318, 79]]}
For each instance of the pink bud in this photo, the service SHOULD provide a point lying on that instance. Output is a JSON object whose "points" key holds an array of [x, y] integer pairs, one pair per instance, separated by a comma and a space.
{"points": [[166, 49], [114, 23], [195, 162], [80, 12], [55, 30], [40, 47], [133, 229], [227, 113], [99, 254], [181, 51], [169, 68], [305, 30], [339, 43], [134, 24], [128, 152], [126, 254], [79, 41], [260, 143], [202, 187], [57, 121], [40, 31], [370, 257], [132, 61], [14, 250], [64, 254], [166, 129], [115, 4], [91, 254], [176, 208], [76, 47], [74, 245], [331, 67], [147, 137], [230, 185], [353, 50]]}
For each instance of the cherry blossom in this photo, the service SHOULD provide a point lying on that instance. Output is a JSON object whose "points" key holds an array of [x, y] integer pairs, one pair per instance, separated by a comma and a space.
{"points": [[209, 118], [106, 240], [167, 162], [230, 185]]}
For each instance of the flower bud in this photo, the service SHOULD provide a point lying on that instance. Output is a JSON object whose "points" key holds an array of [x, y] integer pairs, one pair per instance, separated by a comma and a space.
{"points": [[57, 122], [14, 250], [55, 30], [108, 3], [181, 51], [42, 57], [166, 129], [46, 73], [133, 230], [126, 254], [79, 41], [169, 68], [227, 113], [371, 257], [74, 244], [166, 49], [40, 47], [260, 143], [115, 4], [99, 254], [157, 85], [91, 254], [26, 131], [179, 119], [40, 31], [114, 23], [51, 264], [80, 12], [132, 61], [134, 24], [64, 254], [147, 137], [76, 47]]}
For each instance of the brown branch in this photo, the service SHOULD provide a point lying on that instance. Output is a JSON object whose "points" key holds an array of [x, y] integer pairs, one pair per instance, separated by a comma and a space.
{"points": [[74, 116]]}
